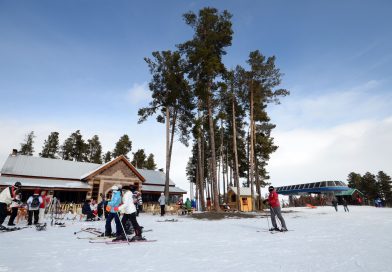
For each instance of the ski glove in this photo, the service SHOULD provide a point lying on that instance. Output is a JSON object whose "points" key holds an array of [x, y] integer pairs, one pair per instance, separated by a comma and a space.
{"points": [[108, 208]]}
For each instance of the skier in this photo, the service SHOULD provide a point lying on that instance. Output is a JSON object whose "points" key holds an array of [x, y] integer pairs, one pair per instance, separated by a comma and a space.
{"points": [[33, 203], [162, 202], [273, 201], [138, 202], [42, 207], [112, 209], [6, 197], [129, 210], [14, 209], [335, 203], [344, 201]]}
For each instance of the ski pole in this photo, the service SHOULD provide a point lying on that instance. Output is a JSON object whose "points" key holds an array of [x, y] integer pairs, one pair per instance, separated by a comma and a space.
{"points": [[126, 237]]}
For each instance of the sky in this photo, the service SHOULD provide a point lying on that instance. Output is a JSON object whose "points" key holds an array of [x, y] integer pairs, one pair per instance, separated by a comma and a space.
{"points": [[69, 65]]}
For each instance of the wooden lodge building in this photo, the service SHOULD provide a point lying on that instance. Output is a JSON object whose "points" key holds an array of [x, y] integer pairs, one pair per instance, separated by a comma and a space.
{"points": [[73, 182]]}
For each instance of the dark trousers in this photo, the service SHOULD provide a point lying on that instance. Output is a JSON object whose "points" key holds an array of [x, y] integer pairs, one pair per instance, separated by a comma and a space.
{"points": [[3, 212], [36, 217], [14, 213], [135, 225], [108, 226], [162, 210]]}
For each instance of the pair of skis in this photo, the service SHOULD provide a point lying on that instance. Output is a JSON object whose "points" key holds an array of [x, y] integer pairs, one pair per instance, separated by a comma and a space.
{"points": [[6, 229]]}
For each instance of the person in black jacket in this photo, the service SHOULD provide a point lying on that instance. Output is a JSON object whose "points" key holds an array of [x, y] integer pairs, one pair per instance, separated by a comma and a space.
{"points": [[86, 210]]}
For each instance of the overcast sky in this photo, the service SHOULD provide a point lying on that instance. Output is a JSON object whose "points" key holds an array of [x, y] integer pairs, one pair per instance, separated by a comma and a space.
{"points": [[68, 65]]}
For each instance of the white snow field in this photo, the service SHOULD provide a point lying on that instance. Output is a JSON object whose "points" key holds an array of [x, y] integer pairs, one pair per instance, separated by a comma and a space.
{"points": [[321, 240]]}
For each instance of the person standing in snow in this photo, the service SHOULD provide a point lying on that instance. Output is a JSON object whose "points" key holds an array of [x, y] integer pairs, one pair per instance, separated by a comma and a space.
{"points": [[129, 210], [275, 210], [344, 201], [6, 197], [162, 203], [335, 203], [14, 209], [33, 203], [42, 207], [112, 209]]}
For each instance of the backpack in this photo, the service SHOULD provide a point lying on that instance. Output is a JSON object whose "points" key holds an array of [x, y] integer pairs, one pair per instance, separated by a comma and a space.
{"points": [[35, 203]]}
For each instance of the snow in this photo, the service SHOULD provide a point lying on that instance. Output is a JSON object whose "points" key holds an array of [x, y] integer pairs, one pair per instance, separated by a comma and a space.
{"points": [[321, 240]]}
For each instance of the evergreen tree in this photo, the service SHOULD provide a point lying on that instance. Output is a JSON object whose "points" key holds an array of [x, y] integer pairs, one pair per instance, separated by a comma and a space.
{"points": [[369, 186], [385, 184], [150, 163], [107, 157], [51, 146], [94, 150], [212, 34], [123, 147], [139, 159], [27, 148], [172, 98], [74, 147], [354, 181]]}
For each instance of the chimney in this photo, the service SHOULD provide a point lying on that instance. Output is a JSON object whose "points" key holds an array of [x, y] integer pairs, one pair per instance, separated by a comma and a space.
{"points": [[14, 152]]}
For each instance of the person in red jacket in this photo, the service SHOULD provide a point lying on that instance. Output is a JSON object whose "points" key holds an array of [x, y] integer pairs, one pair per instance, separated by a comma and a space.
{"points": [[273, 201]]}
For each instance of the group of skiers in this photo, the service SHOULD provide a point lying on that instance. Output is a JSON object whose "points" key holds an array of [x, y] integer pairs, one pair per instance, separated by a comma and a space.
{"points": [[122, 201], [35, 205]]}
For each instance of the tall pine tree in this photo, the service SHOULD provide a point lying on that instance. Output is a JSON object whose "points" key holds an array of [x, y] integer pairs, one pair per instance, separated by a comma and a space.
{"points": [[212, 34], [27, 147], [123, 147], [385, 185], [94, 150], [150, 162], [139, 159], [51, 146]]}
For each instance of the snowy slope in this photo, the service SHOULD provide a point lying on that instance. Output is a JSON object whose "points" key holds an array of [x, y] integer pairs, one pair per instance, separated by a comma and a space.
{"points": [[321, 240]]}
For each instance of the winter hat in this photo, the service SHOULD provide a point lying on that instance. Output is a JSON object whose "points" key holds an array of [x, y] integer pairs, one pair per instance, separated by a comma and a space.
{"points": [[271, 188], [36, 191], [114, 188], [18, 184]]}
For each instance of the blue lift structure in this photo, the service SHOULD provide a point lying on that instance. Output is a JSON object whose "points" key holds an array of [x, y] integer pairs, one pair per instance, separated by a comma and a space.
{"points": [[313, 188]]}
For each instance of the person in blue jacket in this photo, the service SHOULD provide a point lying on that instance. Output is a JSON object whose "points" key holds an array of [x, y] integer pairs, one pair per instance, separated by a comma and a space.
{"points": [[112, 209]]}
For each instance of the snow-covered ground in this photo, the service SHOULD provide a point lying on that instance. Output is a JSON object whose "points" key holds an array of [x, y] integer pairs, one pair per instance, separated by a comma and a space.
{"points": [[321, 240]]}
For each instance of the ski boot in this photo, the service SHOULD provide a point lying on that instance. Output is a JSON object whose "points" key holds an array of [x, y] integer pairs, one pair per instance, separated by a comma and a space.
{"points": [[274, 229]]}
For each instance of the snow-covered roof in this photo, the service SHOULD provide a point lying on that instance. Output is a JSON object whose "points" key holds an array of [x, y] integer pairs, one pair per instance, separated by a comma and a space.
{"points": [[244, 191], [43, 167], [154, 177], [22, 165], [157, 188], [45, 183]]}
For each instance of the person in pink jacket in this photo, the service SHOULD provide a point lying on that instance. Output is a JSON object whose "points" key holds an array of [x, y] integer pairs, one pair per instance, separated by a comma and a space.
{"points": [[274, 204]]}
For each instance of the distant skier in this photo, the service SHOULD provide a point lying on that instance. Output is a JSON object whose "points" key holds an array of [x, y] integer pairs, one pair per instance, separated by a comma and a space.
{"points": [[335, 203], [344, 201], [6, 197], [129, 210], [275, 210], [162, 203], [112, 209], [33, 204]]}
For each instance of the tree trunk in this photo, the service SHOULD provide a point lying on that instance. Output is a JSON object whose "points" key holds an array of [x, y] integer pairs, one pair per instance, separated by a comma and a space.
{"points": [[236, 172], [251, 155], [169, 149], [213, 156], [201, 169], [258, 191]]}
